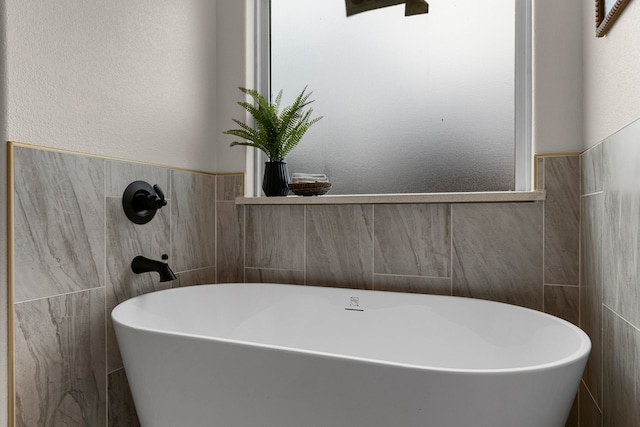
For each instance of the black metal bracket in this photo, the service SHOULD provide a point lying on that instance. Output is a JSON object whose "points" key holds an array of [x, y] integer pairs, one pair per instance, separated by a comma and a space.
{"points": [[140, 201]]}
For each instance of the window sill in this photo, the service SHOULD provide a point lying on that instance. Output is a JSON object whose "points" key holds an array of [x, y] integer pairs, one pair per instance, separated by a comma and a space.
{"points": [[366, 199]]}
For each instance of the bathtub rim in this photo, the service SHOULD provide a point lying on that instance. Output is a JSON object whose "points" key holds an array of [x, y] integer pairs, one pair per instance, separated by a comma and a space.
{"points": [[581, 353]]}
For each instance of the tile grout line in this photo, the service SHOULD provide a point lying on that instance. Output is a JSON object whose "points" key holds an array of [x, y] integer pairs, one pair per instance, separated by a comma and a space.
{"points": [[106, 309], [593, 399], [592, 193], [451, 205], [544, 236], [561, 285], [243, 230], [272, 269], [410, 275], [304, 245], [121, 368], [600, 279], [628, 322], [171, 230], [215, 230], [194, 269], [601, 355], [60, 295], [373, 247], [580, 290]]}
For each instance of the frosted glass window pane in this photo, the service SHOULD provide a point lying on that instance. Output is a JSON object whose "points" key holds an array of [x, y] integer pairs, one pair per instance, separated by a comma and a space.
{"points": [[410, 104]]}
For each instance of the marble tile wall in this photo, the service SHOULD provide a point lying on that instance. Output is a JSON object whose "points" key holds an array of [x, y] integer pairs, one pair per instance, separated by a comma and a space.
{"points": [[72, 251], [338, 246], [561, 273], [229, 243], [497, 252], [610, 275], [522, 253]]}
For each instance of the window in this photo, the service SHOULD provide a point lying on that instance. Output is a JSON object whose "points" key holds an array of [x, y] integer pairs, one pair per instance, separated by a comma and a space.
{"points": [[420, 104]]}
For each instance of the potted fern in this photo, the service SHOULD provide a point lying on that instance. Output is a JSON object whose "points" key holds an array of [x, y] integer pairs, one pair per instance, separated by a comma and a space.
{"points": [[276, 133]]}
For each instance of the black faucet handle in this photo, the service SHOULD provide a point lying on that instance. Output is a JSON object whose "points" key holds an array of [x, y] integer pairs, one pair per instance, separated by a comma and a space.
{"points": [[140, 201], [154, 201], [165, 258], [160, 198]]}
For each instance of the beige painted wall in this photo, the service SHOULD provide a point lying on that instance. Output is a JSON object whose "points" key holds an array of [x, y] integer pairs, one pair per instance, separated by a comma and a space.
{"points": [[235, 41], [557, 75], [133, 80], [611, 83]]}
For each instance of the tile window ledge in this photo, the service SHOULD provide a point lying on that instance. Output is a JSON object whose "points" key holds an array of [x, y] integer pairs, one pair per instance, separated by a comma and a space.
{"points": [[366, 199]]}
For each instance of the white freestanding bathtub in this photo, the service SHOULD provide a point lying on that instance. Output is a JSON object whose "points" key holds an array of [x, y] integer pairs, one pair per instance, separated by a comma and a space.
{"points": [[261, 355]]}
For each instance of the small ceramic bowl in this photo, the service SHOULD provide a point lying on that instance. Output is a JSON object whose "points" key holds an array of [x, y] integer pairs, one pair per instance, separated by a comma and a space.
{"points": [[310, 188]]}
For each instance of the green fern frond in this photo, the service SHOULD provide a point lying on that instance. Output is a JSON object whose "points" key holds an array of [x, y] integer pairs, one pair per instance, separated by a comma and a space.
{"points": [[276, 133]]}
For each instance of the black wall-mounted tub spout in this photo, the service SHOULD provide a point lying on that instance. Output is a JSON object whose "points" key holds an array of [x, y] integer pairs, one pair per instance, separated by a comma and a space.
{"points": [[141, 264], [140, 201]]}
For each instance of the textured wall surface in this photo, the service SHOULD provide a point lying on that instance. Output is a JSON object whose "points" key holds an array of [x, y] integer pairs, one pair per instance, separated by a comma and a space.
{"points": [[610, 301], [611, 84], [133, 80], [557, 75], [73, 247]]}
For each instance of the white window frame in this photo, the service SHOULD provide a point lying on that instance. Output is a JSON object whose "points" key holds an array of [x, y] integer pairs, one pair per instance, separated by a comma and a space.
{"points": [[523, 101]]}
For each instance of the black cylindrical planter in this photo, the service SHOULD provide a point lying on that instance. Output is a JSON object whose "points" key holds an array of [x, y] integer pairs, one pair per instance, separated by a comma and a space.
{"points": [[276, 179]]}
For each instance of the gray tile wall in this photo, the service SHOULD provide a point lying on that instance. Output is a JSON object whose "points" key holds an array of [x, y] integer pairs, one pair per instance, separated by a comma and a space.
{"points": [[338, 246], [522, 253], [73, 247], [525, 254], [229, 230], [497, 252], [422, 233], [610, 275], [59, 224]]}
